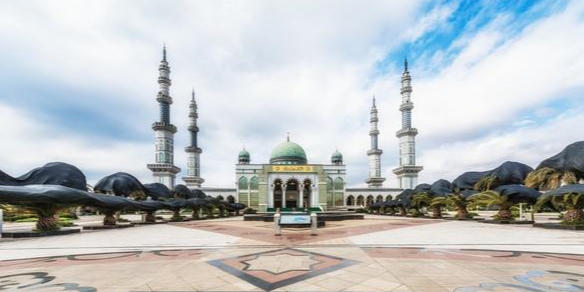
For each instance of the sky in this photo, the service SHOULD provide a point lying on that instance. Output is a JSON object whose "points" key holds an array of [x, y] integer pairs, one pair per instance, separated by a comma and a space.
{"points": [[492, 81]]}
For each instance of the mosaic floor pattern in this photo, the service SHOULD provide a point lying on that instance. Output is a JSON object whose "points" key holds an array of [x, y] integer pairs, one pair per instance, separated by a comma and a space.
{"points": [[331, 261]]}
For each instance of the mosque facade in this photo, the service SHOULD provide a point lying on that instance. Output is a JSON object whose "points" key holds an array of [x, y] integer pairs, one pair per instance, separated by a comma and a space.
{"points": [[288, 180]]}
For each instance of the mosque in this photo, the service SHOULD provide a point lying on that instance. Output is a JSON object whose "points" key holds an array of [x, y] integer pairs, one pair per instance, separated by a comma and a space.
{"points": [[288, 180]]}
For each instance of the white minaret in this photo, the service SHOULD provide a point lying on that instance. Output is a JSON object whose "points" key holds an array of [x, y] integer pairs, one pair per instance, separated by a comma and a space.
{"points": [[374, 179], [193, 178], [164, 170], [407, 172]]}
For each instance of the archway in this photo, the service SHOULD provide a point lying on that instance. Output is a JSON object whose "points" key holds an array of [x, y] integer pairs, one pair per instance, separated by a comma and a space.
{"points": [[306, 193], [292, 191], [278, 193], [360, 201], [379, 199], [230, 199], [220, 198], [369, 200], [388, 198], [350, 200]]}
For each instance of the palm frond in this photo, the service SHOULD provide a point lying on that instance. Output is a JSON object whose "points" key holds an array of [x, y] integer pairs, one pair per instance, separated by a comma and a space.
{"points": [[487, 183]]}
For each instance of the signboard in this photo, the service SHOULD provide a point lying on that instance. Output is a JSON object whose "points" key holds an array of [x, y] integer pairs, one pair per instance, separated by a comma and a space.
{"points": [[293, 168], [295, 219]]}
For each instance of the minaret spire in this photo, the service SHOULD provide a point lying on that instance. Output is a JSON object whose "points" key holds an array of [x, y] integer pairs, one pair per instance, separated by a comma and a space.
{"points": [[193, 177], [374, 154], [407, 172], [164, 170]]}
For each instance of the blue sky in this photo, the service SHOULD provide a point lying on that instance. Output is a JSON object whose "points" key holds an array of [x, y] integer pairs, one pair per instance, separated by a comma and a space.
{"points": [[493, 81]]}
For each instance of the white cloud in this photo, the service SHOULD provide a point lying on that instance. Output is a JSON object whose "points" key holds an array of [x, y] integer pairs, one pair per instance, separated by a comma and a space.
{"points": [[262, 69]]}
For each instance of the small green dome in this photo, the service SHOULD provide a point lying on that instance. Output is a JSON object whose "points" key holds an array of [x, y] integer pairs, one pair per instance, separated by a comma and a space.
{"points": [[337, 155], [288, 153], [243, 154]]}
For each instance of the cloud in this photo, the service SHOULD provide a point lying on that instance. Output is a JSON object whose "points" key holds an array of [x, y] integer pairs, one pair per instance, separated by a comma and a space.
{"points": [[81, 84]]}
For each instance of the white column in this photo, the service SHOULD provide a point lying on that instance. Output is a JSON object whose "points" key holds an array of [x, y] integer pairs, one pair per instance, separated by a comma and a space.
{"points": [[271, 196], [284, 187], [314, 196], [301, 197]]}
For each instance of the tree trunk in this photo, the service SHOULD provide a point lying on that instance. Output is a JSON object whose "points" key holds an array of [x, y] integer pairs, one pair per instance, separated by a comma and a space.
{"points": [[176, 216], [462, 212], [150, 218], [210, 213], [505, 214], [437, 212], [221, 212], [109, 218], [574, 216], [48, 220], [196, 213], [402, 211], [237, 212]]}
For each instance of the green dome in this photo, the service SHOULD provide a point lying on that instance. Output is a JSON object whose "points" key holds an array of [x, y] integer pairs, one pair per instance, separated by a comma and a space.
{"points": [[288, 153], [244, 153], [337, 155]]}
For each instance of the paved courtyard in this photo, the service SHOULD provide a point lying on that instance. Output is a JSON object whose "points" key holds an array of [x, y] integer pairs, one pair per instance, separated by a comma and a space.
{"points": [[377, 254]]}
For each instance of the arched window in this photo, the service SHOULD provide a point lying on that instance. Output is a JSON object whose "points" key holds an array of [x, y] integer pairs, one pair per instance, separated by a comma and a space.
{"points": [[360, 201], [253, 183], [379, 199], [329, 183], [350, 201], [220, 197], [388, 198], [369, 200], [338, 184], [243, 183], [230, 199]]}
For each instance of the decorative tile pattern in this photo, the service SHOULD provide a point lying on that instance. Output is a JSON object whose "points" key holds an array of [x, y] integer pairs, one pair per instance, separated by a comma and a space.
{"points": [[274, 269]]}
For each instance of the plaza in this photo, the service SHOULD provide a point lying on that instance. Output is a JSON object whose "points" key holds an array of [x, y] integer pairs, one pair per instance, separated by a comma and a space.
{"points": [[380, 253]]}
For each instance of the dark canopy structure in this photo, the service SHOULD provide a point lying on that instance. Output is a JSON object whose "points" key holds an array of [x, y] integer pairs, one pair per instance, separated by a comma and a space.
{"points": [[181, 191], [467, 180], [54, 173], [120, 184], [570, 159], [157, 191], [440, 188], [519, 194]]}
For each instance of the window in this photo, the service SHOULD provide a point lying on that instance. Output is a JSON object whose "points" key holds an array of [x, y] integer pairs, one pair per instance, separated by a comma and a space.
{"points": [[243, 183], [339, 184], [253, 183]]}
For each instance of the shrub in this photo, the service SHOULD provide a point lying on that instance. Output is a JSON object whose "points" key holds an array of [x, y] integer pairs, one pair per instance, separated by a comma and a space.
{"points": [[249, 211], [362, 211]]}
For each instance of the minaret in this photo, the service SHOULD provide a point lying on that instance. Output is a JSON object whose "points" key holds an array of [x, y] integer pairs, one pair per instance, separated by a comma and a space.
{"points": [[407, 172], [374, 180], [164, 170], [193, 178]]}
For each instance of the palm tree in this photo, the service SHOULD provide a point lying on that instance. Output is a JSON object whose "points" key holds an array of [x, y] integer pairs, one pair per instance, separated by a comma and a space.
{"points": [[492, 198], [547, 178], [571, 198], [456, 200]]}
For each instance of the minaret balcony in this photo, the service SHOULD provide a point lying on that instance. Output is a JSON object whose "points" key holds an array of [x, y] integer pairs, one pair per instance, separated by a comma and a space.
{"points": [[164, 66], [408, 169], [374, 132], [406, 106], [374, 152], [193, 149], [406, 89], [164, 98], [407, 132], [165, 80], [193, 128], [161, 126], [163, 167]]}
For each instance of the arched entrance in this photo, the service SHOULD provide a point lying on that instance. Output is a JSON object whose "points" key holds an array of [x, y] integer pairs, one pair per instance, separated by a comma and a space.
{"points": [[278, 191], [306, 193], [292, 192]]}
